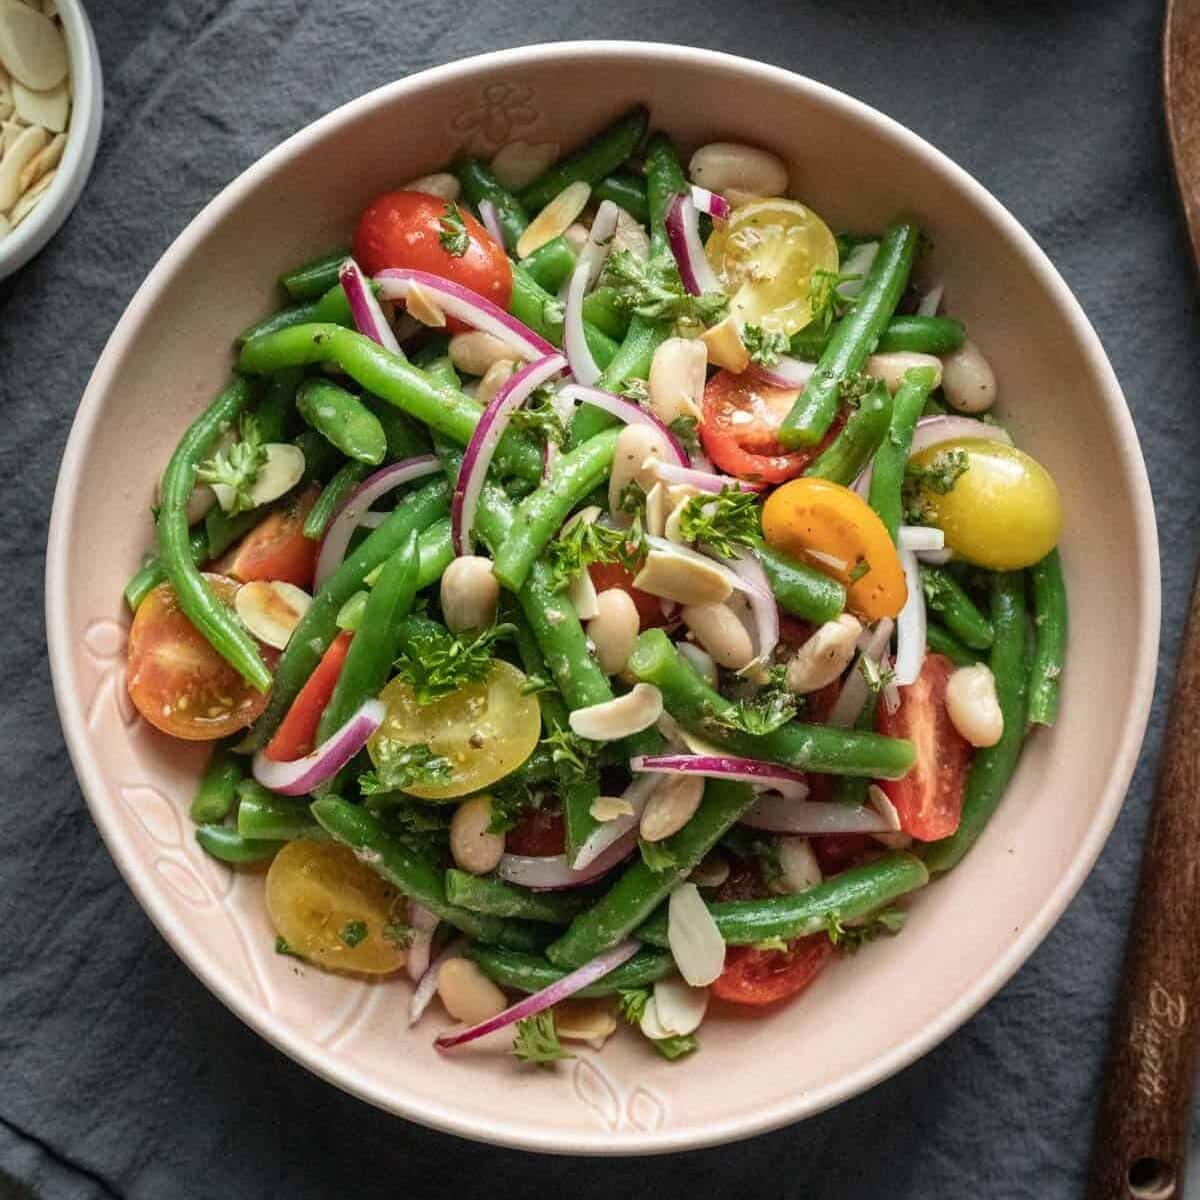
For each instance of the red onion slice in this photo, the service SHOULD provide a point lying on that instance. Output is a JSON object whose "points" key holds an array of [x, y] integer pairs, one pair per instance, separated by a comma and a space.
{"points": [[303, 774], [626, 411], [426, 987], [792, 784], [936, 558], [530, 1006], [491, 221], [891, 693], [704, 481], [910, 624], [608, 833], [777, 814], [712, 203], [354, 511], [683, 233], [788, 372], [858, 262], [599, 242], [551, 873], [424, 924], [364, 308], [762, 601], [931, 301], [486, 437], [853, 694], [579, 354], [466, 306]]}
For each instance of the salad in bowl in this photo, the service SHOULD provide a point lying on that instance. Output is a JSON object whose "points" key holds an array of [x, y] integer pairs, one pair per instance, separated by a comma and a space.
{"points": [[606, 590]]}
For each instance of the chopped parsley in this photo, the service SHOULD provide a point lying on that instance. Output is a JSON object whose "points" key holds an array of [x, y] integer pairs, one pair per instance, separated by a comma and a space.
{"points": [[756, 848], [825, 302], [637, 390], [353, 932], [587, 542], [399, 767], [632, 1003], [452, 231], [851, 938], [574, 757], [722, 522], [769, 708], [942, 473], [766, 346], [282, 947], [861, 567], [512, 798], [652, 289], [236, 467], [536, 1040], [399, 934], [539, 417], [685, 429], [657, 856], [773, 944], [438, 662], [632, 499]]}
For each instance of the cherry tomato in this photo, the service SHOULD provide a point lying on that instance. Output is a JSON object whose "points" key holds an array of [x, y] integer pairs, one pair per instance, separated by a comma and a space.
{"points": [[485, 729], [404, 229], [177, 681], [540, 833], [334, 910], [613, 575], [837, 851], [1003, 512], [743, 883], [929, 798], [297, 733], [765, 256], [758, 977], [277, 550], [834, 529]]}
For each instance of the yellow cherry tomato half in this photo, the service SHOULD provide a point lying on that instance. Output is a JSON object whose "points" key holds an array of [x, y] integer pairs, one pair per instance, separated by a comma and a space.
{"points": [[333, 910], [833, 529], [765, 256], [484, 729], [1003, 512]]}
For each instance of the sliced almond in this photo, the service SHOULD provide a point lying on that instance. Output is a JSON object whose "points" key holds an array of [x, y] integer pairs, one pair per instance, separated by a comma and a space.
{"points": [[421, 306], [18, 152], [671, 806], [555, 218], [582, 594], [5, 226], [656, 510], [441, 184], [592, 1021], [10, 130], [49, 109], [49, 158], [609, 808], [520, 163], [271, 611], [29, 201], [280, 473], [32, 46], [680, 1007], [638, 709], [684, 579], [725, 348]]}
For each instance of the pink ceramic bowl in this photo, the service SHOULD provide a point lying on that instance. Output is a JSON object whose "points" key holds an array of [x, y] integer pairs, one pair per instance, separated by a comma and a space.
{"points": [[869, 1016]]}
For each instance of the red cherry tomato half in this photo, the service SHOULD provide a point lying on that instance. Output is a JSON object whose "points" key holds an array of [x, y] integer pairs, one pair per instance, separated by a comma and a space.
{"points": [[276, 549], [838, 851], [414, 230], [613, 575], [297, 733], [929, 798], [758, 977], [540, 833]]}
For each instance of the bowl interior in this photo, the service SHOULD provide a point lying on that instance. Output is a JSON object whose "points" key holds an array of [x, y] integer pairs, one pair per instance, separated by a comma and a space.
{"points": [[966, 934]]}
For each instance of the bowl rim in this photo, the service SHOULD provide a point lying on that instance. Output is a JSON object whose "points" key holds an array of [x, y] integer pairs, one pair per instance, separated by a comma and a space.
{"points": [[443, 1115], [83, 137]]}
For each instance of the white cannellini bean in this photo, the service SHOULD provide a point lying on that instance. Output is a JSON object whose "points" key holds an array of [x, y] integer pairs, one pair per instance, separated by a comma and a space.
{"points": [[678, 372], [519, 163], [271, 611], [469, 593], [721, 166], [468, 994], [671, 806], [973, 705], [824, 656], [638, 709], [890, 367], [798, 866], [968, 379], [556, 218], [685, 580], [614, 629], [472, 847], [725, 347], [635, 445], [701, 661], [441, 184], [719, 631], [494, 378], [475, 352]]}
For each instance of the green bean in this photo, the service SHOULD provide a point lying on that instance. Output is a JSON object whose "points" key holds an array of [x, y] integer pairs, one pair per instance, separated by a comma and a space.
{"points": [[274, 411], [532, 305], [627, 191], [924, 335], [437, 552], [312, 279], [852, 789], [321, 460], [540, 514], [941, 641], [887, 471], [702, 710], [405, 437], [318, 627], [216, 623], [945, 596], [601, 309], [222, 529], [343, 420], [214, 797], [531, 973], [595, 159], [631, 361], [533, 663], [851, 450], [373, 649], [392, 378], [224, 843], [151, 573], [263, 816], [332, 497], [847, 896], [993, 766], [639, 890], [853, 340], [416, 876], [478, 183], [664, 181], [550, 264], [800, 589], [500, 899], [284, 318], [1050, 624]]}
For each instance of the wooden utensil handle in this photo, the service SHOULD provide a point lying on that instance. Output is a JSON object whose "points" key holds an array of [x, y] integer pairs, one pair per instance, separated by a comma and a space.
{"points": [[1141, 1141]]}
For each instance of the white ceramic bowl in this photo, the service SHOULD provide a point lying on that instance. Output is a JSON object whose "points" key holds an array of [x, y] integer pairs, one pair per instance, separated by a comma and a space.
{"points": [[868, 1016], [83, 135]]}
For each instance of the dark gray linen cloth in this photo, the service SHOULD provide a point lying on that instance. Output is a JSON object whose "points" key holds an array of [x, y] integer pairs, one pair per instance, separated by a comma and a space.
{"points": [[120, 1076]]}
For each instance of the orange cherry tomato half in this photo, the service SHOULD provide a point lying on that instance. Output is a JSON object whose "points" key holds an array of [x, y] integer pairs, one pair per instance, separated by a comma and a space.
{"points": [[407, 229], [277, 550], [834, 529], [177, 681], [297, 733]]}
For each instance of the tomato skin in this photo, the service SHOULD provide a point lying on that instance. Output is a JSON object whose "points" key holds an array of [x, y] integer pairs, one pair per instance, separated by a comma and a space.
{"points": [[739, 421], [613, 575], [929, 798], [760, 977], [401, 229], [838, 851], [177, 681], [276, 550], [540, 833], [297, 733]]}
